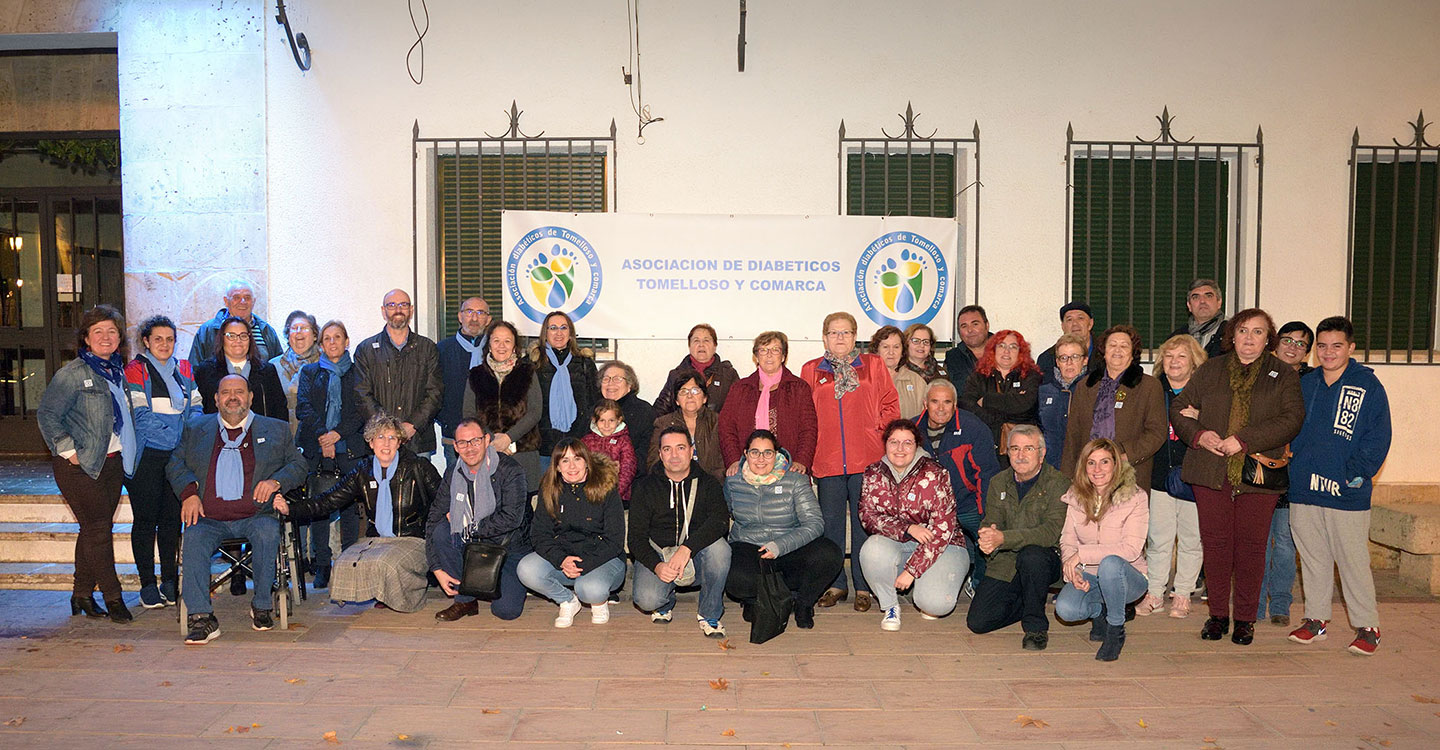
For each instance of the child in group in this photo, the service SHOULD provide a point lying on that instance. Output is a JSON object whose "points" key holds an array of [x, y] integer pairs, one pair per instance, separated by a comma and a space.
{"points": [[607, 436]]}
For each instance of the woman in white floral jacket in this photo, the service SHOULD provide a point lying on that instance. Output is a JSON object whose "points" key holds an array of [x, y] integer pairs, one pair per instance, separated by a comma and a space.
{"points": [[908, 507]]}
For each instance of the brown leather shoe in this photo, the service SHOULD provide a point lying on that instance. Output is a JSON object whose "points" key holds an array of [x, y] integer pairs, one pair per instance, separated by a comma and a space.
{"points": [[863, 600], [831, 597], [458, 610]]}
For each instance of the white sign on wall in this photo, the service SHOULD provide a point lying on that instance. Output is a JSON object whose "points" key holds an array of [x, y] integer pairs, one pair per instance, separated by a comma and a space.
{"points": [[655, 275]]}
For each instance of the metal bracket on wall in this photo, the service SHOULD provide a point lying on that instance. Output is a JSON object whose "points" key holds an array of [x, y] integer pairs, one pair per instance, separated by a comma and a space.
{"points": [[741, 42], [299, 47]]}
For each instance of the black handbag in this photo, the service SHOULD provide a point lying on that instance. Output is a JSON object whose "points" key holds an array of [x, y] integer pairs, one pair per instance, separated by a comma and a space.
{"points": [[480, 575], [1266, 473], [773, 604], [1176, 487]]}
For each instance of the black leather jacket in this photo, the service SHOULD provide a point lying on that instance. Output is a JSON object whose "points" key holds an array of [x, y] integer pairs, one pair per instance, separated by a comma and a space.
{"points": [[412, 491]]}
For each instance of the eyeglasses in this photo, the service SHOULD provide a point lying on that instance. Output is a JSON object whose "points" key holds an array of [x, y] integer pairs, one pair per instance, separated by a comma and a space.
{"points": [[1026, 449], [840, 334], [553, 329], [236, 336], [916, 340], [691, 391], [386, 437], [1298, 343], [301, 328], [1008, 347], [1070, 358], [397, 305], [769, 351], [757, 453], [900, 444], [613, 379], [474, 313], [471, 443]]}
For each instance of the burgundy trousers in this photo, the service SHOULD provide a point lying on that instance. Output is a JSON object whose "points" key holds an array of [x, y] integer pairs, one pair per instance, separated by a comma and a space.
{"points": [[1234, 530], [93, 501]]}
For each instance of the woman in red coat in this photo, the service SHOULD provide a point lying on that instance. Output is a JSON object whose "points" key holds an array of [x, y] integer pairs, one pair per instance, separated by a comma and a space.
{"points": [[854, 400], [772, 398]]}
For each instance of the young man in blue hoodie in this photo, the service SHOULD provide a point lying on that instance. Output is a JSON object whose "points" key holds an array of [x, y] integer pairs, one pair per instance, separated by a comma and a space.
{"points": [[1342, 444]]}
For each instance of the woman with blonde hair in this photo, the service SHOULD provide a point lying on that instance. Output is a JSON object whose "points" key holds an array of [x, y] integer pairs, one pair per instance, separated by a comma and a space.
{"points": [[1102, 545]]}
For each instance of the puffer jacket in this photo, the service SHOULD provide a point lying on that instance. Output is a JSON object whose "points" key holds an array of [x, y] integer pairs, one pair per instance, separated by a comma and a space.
{"points": [[967, 452], [403, 383], [583, 382], [785, 512], [1120, 532], [719, 377], [850, 428], [889, 508], [792, 417], [412, 491], [1277, 410]]}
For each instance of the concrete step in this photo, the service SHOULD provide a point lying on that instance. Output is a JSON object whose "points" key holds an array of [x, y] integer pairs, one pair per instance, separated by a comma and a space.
{"points": [[49, 509], [60, 576], [53, 542]]}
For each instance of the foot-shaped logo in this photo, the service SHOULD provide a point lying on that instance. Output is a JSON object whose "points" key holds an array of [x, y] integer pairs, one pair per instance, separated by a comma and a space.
{"points": [[552, 277], [901, 283]]}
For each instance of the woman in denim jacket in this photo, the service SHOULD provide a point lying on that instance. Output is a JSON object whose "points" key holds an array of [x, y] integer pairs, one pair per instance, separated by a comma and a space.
{"points": [[85, 419]]}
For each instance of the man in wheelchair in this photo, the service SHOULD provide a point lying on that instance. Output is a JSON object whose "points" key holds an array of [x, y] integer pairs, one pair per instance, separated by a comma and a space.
{"points": [[226, 471]]}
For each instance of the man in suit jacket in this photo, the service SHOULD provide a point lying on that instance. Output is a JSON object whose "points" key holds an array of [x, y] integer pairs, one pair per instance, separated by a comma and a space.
{"points": [[226, 472]]}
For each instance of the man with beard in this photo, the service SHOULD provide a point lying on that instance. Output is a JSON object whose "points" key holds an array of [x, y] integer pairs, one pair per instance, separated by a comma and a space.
{"points": [[400, 374]]}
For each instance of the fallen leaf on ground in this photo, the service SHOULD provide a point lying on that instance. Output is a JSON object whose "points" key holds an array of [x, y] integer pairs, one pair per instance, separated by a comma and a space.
{"points": [[1027, 721], [767, 674], [253, 724], [330, 737], [166, 683], [295, 681], [121, 648], [402, 736], [1424, 699], [489, 710], [1211, 740], [1141, 723], [728, 733], [15, 722], [296, 626], [238, 729], [725, 645], [720, 684], [1330, 723]]}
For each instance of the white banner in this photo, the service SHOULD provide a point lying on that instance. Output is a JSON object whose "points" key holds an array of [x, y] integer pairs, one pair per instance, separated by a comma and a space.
{"points": [[631, 276]]}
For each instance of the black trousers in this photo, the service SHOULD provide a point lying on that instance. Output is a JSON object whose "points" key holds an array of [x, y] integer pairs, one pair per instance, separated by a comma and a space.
{"points": [[998, 603], [157, 518], [93, 501], [808, 570]]}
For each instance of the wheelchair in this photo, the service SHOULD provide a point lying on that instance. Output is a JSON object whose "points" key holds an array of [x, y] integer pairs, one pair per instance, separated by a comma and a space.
{"points": [[289, 572]]}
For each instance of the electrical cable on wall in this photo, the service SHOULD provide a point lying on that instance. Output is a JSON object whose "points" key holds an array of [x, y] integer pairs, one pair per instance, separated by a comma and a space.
{"points": [[637, 93], [419, 41]]}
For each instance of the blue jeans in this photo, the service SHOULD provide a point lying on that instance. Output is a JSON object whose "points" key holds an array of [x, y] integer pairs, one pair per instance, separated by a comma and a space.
{"points": [[201, 541], [1118, 584], [712, 568], [1279, 567], [840, 499], [449, 555], [592, 587], [935, 593]]}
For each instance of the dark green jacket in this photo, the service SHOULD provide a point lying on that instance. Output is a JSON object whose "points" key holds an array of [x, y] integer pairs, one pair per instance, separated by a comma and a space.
{"points": [[1035, 519]]}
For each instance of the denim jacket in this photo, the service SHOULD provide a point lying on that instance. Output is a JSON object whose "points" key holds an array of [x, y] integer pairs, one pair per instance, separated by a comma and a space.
{"points": [[77, 413]]}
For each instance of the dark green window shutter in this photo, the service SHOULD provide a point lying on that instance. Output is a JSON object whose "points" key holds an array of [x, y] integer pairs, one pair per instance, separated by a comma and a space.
{"points": [[1392, 284], [472, 191], [1143, 229], [900, 184]]}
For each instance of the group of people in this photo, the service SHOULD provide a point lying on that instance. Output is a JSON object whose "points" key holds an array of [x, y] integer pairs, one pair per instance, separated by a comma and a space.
{"points": [[998, 474]]}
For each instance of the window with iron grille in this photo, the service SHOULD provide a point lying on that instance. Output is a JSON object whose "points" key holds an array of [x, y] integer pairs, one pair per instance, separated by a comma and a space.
{"points": [[1147, 218], [1394, 245]]}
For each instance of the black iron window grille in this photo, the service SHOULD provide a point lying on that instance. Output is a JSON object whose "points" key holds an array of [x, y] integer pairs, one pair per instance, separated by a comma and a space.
{"points": [[910, 174], [471, 180], [1146, 217], [1393, 248]]}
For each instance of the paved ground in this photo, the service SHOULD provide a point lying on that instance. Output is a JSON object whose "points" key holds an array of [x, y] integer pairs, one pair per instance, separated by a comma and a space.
{"points": [[372, 678]]}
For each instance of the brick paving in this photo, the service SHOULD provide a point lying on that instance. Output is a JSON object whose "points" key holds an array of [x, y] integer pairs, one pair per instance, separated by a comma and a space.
{"points": [[383, 679]]}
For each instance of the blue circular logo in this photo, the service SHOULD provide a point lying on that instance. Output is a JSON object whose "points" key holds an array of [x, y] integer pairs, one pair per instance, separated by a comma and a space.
{"points": [[550, 269], [901, 279]]}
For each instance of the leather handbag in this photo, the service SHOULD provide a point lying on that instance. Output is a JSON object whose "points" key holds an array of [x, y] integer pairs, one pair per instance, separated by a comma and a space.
{"points": [[480, 573], [1266, 473]]}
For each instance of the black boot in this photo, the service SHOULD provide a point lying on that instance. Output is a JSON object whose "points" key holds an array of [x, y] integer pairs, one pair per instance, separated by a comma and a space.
{"points": [[1099, 626], [1114, 641], [322, 577], [86, 604], [1244, 633], [1215, 628], [237, 584], [804, 617], [118, 612]]}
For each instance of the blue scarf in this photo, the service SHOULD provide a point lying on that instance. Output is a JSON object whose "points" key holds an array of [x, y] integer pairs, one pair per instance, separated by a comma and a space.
{"points": [[472, 497], [384, 513], [230, 467], [332, 389], [113, 371], [167, 369], [562, 396], [244, 370], [476, 350]]}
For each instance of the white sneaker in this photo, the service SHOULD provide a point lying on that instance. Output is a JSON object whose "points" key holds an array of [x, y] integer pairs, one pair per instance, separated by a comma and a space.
{"points": [[892, 619], [658, 616], [566, 617], [711, 628], [599, 613]]}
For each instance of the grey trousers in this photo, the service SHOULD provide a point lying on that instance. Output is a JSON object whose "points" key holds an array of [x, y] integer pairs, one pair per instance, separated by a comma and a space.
{"points": [[1327, 538]]}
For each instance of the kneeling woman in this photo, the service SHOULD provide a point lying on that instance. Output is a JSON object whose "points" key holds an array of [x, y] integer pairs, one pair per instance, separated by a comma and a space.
{"points": [[578, 532], [394, 491], [908, 508], [776, 517], [1101, 545]]}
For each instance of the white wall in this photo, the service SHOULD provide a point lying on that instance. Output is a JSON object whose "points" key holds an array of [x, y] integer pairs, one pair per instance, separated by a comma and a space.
{"points": [[338, 137]]}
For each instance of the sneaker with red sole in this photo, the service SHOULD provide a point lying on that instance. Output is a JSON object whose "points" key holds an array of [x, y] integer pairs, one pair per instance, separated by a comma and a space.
{"points": [[1310, 631], [1366, 641]]}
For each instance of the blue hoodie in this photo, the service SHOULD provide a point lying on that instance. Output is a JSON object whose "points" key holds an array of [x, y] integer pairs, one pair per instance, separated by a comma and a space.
{"points": [[1344, 440]]}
